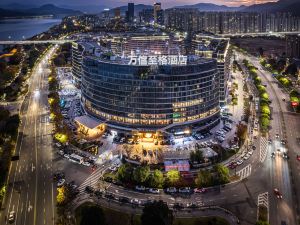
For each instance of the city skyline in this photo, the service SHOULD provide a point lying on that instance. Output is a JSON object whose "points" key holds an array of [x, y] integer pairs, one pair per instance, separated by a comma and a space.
{"points": [[165, 4]]}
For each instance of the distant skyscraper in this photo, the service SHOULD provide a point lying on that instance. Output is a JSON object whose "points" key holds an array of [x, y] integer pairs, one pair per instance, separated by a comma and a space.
{"points": [[156, 8], [146, 16], [117, 13], [130, 12]]}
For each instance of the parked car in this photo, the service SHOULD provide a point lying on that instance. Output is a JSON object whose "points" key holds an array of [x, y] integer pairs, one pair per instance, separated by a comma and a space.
{"points": [[240, 162], [61, 182], [171, 190], [89, 189], [184, 190], [154, 190], [199, 190], [140, 188]]}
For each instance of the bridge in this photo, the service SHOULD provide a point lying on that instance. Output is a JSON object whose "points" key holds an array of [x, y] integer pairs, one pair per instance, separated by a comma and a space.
{"points": [[261, 34], [29, 42]]}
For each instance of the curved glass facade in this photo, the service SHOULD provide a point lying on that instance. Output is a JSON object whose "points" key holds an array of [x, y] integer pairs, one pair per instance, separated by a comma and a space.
{"points": [[147, 97]]}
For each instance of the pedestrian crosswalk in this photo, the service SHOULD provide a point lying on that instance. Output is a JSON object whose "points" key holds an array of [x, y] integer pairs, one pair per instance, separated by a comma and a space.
{"points": [[92, 180], [245, 172], [263, 148], [263, 200]]}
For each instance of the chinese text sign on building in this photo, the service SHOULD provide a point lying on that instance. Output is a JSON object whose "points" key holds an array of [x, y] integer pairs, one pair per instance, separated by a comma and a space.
{"points": [[158, 60]]}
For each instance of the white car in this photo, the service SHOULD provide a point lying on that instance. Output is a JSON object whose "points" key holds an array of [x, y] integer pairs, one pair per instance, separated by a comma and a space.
{"points": [[86, 164], [135, 201], [240, 162], [61, 152], [250, 152], [67, 156], [61, 182]]}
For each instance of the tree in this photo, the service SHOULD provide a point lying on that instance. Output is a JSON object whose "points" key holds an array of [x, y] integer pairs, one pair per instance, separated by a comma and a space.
{"points": [[141, 174], [222, 174], [204, 178], [92, 215], [124, 172], [241, 132], [173, 176], [61, 195], [156, 179], [157, 213], [196, 156]]}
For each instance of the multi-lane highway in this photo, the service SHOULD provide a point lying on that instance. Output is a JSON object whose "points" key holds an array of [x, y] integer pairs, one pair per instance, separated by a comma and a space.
{"points": [[281, 210], [30, 192]]}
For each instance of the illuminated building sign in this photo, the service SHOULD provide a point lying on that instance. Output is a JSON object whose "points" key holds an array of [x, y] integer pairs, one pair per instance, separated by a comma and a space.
{"points": [[142, 60]]}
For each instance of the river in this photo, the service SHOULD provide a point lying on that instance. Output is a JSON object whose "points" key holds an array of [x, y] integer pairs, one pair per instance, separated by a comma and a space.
{"points": [[18, 29]]}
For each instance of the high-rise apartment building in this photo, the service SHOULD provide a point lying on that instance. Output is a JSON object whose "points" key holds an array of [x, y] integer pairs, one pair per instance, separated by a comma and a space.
{"points": [[130, 12], [293, 46], [117, 13], [208, 46], [230, 22], [156, 9]]}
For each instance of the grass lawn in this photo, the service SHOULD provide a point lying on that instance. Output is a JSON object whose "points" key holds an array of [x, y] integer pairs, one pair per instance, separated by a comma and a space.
{"points": [[121, 218]]}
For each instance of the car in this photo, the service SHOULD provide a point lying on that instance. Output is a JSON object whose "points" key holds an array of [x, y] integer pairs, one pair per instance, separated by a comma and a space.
{"points": [[192, 205], [61, 152], [247, 156], [250, 152], [283, 142], [277, 193], [58, 176], [61, 182], [98, 193], [199, 190], [285, 155], [135, 201], [89, 189], [270, 141], [124, 199], [184, 190], [86, 164], [253, 147], [240, 162], [298, 157], [283, 99], [276, 135], [232, 165], [109, 196], [140, 188], [273, 155], [171, 190], [153, 190], [12, 216], [67, 156]]}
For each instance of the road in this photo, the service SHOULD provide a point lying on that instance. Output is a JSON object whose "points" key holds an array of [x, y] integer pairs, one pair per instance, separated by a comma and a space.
{"points": [[278, 168], [30, 190]]}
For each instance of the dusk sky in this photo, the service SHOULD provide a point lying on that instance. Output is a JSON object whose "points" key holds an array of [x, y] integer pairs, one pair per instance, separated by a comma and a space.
{"points": [[112, 3]]}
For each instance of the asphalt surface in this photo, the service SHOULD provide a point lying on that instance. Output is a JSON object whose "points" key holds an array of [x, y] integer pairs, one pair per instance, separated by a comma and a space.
{"points": [[30, 189]]}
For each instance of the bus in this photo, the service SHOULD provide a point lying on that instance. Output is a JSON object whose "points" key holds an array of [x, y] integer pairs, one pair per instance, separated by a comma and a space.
{"points": [[76, 158]]}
